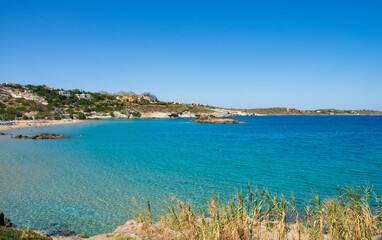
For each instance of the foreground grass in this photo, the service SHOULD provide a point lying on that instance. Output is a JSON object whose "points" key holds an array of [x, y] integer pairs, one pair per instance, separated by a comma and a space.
{"points": [[7, 233], [258, 214]]}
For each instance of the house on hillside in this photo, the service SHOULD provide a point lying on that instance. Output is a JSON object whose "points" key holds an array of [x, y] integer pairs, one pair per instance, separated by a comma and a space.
{"points": [[84, 96], [143, 98], [64, 93], [126, 98], [49, 88]]}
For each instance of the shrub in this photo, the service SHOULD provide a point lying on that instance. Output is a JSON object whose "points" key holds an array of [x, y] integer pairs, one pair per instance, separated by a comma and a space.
{"points": [[81, 115], [11, 234], [25, 104], [43, 115], [19, 100], [35, 109], [119, 108], [136, 114], [23, 109]]}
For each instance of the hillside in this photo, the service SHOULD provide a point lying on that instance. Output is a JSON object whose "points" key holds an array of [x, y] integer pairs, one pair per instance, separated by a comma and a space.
{"points": [[41, 102]]}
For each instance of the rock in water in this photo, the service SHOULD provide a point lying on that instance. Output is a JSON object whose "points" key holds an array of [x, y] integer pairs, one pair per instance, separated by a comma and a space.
{"points": [[215, 120], [66, 233], [48, 136], [18, 136], [41, 136]]}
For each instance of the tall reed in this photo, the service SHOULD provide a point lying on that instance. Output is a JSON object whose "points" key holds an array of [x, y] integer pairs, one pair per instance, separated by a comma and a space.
{"points": [[258, 214]]}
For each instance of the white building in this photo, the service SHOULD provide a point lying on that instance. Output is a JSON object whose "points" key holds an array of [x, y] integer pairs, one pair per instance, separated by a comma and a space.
{"points": [[64, 93], [84, 96]]}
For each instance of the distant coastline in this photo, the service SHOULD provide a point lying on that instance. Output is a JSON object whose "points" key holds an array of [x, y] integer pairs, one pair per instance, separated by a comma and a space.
{"points": [[42, 103]]}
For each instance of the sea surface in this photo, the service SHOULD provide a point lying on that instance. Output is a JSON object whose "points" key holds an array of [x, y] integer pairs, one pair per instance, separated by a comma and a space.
{"points": [[86, 183]]}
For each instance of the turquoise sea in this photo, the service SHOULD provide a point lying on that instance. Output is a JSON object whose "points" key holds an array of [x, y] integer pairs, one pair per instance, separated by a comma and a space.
{"points": [[86, 183]]}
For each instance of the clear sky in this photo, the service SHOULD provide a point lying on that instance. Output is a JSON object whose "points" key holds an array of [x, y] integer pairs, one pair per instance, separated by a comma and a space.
{"points": [[242, 54]]}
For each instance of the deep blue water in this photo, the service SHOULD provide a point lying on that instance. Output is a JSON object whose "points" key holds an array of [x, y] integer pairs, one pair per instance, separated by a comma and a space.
{"points": [[86, 183]]}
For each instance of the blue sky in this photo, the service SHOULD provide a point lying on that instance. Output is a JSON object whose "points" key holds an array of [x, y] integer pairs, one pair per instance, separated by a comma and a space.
{"points": [[242, 54]]}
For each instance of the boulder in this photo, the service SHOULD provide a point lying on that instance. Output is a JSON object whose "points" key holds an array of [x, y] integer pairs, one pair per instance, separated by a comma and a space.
{"points": [[19, 136], [5, 221], [81, 235], [66, 233]]}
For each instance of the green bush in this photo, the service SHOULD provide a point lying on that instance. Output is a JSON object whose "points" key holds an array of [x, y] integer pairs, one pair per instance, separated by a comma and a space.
{"points": [[81, 115], [70, 111], [119, 108], [136, 114], [12, 234], [14, 112], [103, 109], [7, 117], [25, 104], [43, 115], [23, 109], [35, 109], [87, 110], [19, 100]]}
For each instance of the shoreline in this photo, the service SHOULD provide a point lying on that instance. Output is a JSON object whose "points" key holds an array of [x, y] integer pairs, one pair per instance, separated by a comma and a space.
{"points": [[43, 123], [31, 123]]}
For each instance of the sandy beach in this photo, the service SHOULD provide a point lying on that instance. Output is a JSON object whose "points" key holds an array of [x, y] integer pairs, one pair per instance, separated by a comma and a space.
{"points": [[37, 123]]}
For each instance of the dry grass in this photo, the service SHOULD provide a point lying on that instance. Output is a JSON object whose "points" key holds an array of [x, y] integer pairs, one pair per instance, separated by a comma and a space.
{"points": [[261, 215]]}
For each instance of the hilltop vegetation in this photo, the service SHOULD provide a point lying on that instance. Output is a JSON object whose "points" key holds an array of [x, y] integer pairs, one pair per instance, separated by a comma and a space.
{"points": [[41, 102]]}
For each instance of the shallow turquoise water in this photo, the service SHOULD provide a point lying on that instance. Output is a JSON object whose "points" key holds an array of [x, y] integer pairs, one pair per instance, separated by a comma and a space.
{"points": [[86, 183]]}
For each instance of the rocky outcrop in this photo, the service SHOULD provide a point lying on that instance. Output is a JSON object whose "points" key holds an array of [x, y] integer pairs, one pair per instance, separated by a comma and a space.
{"points": [[1, 134], [214, 120], [155, 115], [5, 221], [41, 136], [26, 95], [184, 114], [120, 115]]}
